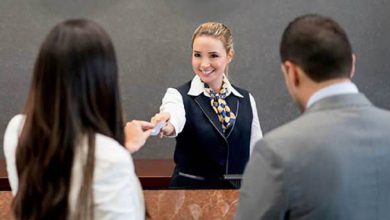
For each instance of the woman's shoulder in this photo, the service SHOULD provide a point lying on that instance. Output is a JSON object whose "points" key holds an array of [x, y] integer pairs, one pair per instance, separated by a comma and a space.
{"points": [[108, 149], [11, 138], [12, 132], [185, 86], [16, 123], [240, 89], [241, 92]]}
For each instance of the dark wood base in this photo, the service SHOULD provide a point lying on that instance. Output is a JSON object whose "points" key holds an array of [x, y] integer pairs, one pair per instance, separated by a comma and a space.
{"points": [[152, 173]]}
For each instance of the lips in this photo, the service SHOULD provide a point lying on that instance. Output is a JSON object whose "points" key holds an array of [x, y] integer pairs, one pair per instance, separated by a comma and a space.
{"points": [[207, 72]]}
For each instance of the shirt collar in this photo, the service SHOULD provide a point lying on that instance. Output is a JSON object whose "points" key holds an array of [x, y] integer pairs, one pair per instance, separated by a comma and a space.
{"points": [[197, 88], [334, 89]]}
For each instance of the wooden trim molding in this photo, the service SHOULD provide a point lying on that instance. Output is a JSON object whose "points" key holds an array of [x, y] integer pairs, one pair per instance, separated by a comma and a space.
{"points": [[152, 173]]}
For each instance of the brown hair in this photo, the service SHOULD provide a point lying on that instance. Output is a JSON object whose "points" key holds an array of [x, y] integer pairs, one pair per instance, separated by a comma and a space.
{"points": [[74, 94], [319, 45]]}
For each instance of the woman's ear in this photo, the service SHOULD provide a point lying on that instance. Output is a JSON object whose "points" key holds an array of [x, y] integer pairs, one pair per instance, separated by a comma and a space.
{"points": [[230, 55]]}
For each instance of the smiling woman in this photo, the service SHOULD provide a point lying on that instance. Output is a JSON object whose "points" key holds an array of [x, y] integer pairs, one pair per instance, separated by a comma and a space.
{"points": [[210, 60], [215, 123]]}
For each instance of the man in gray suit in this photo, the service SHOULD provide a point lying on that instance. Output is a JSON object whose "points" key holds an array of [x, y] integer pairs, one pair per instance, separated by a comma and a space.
{"points": [[333, 162]]}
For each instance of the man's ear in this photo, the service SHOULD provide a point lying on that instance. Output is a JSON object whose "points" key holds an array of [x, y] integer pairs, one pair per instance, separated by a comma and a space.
{"points": [[352, 73], [291, 73], [284, 69]]}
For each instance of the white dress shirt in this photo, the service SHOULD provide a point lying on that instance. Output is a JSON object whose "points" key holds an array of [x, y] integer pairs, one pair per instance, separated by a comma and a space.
{"points": [[116, 189], [334, 89], [173, 104]]}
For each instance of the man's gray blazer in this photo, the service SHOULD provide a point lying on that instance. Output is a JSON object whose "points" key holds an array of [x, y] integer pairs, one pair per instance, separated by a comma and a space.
{"points": [[333, 162]]}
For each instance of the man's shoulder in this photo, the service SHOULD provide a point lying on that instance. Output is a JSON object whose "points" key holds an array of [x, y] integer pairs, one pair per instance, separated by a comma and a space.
{"points": [[291, 129], [310, 122], [312, 128], [300, 131], [381, 111]]}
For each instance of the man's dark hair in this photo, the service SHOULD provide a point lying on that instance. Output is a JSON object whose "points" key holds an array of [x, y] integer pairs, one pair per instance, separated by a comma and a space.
{"points": [[319, 46]]}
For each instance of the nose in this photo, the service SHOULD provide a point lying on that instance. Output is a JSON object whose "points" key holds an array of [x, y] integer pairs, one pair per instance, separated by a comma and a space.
{"points": [[205, 63]]}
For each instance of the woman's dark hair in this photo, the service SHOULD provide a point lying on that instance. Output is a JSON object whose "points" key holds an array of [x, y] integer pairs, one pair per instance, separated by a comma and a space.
{"points": [[74, 94], [319, 46]]}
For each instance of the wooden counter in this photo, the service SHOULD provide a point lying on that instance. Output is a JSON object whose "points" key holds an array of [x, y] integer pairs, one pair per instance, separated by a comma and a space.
{"points": [[153, 174]]}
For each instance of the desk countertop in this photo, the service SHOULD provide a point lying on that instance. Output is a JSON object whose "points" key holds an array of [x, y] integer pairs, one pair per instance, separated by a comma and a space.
{"points": [[153, 173]]}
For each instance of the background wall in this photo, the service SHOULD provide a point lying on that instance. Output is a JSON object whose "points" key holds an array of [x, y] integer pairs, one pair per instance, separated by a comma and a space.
{"points": [[152, 40]]}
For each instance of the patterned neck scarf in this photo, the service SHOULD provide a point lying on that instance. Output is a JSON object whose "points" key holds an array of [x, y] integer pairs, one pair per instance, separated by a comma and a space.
{"points": [[225, 116]]}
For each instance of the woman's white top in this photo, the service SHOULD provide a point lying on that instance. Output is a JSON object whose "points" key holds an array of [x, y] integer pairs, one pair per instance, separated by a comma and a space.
{"points": [[116, 188], [173, 104]]}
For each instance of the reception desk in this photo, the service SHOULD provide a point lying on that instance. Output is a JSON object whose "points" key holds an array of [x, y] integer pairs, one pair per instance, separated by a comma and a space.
{"points": [[172, 204], [153, 174], [160, 202]]}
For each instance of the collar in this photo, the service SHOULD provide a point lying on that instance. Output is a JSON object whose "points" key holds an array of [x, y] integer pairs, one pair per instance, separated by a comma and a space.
{"points": [[197, 88], [332, 90]]}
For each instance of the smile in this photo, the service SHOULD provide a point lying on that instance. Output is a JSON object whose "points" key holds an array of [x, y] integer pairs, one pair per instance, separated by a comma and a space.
{"points": [[207, 72]]}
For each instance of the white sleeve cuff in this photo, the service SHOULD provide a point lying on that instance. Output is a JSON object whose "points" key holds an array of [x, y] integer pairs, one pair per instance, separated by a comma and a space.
{"points": [[173, 104]]}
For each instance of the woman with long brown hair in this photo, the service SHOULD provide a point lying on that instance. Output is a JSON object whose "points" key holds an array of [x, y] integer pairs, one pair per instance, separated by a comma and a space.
{"points": [[65, 155]]}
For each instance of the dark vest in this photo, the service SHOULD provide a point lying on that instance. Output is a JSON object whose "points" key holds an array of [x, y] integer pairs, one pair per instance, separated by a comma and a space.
{"points": [[202, 148]]}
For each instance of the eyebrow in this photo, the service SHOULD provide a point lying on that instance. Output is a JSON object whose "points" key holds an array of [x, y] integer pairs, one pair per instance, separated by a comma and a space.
{"points": [[212, 52]]}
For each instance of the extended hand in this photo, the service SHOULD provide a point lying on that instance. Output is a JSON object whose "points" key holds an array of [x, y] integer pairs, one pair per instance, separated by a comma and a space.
{"points": [[136, 133], [168, 129]]}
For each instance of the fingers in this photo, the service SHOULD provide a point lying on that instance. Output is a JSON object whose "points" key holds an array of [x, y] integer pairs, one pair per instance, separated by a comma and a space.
{"points": [[154, 119], [136, 133], [168, 130], [144, 125], [161, 135], [147, 132], [160, 117]]}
